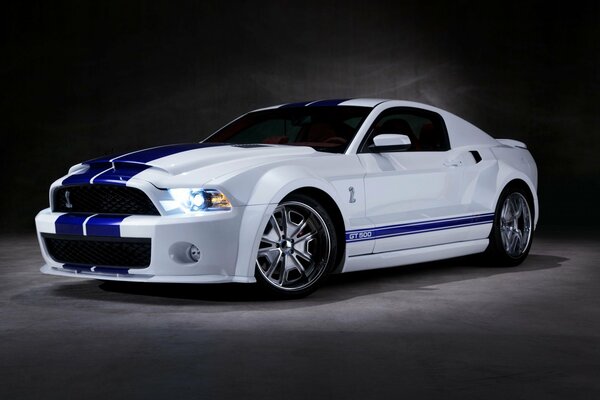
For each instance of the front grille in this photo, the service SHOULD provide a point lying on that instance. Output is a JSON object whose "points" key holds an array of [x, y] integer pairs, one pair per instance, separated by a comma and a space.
{"points": [[99, 251], [103, 199]]}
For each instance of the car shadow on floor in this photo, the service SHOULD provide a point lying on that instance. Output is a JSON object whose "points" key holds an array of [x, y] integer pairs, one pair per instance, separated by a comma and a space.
{"points": [[338, 287]]}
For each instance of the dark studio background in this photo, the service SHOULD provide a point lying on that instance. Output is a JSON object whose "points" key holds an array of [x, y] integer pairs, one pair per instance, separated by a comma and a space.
{"points": [[82, 79]]}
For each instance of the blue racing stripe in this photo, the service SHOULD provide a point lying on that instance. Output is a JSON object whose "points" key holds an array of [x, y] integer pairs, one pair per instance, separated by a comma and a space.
{"points": [[79, 179], [144, 156], [417, 227], [119, 169], [327, 103], [319, 103], [105, 225], [120, 174], [467, 218], [299, 104], [78, 268], [96, 225], [112, 271], [379, 235], [70, 224], [93, 269]]}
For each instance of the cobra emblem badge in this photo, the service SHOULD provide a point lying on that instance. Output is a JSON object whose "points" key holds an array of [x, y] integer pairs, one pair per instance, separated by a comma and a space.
{"points": [[68, 199], [352, 199]]}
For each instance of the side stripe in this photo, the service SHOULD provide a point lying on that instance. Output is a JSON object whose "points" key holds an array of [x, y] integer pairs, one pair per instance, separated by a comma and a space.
{"points": [[470, 218], [360, 235]]}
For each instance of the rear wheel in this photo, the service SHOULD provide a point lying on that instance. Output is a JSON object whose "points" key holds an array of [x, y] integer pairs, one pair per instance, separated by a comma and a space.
{"points": [[512, 232], [297, 248]]}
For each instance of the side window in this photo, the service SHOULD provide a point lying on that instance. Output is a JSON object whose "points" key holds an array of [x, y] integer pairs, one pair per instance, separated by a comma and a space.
{"points": [[425, 129]]}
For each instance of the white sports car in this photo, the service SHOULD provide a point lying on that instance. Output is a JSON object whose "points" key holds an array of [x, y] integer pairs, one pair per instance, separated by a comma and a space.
{"points": [[286, 195]]}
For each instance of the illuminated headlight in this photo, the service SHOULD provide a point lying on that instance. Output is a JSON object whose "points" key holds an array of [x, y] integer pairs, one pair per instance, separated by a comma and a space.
{"points": [[195, 200]]}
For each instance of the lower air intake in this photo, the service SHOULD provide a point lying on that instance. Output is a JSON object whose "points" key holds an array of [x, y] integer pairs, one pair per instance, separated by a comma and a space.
{"points": [[99, 251]]}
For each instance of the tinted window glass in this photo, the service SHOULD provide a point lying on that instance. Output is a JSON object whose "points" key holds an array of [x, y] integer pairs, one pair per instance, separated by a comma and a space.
{"points": [[425, 129], [323, 128]]}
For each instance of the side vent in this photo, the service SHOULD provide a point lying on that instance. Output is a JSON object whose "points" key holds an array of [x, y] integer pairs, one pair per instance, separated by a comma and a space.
{"points": [[476, 156]]}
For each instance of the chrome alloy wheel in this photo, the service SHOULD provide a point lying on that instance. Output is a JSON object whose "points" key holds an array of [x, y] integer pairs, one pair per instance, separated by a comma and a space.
{"points": [[295, 247], [515, 225]]}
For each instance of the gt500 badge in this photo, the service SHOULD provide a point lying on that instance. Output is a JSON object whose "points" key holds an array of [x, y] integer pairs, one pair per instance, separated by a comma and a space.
{"points": [[360, 235]]}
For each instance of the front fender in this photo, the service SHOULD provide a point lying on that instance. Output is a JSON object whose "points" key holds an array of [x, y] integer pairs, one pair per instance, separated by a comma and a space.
{"points": [[277, 183], [270, 188]]}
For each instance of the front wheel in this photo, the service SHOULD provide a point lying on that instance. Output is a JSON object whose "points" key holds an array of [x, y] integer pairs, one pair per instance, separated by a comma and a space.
{"points": [[297, 249], [512, 232]]}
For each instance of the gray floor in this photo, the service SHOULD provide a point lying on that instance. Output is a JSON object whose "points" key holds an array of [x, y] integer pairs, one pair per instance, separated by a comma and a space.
{"points": [[454, 329]]}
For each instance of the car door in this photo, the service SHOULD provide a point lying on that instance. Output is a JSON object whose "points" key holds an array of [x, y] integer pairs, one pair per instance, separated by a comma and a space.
{"points": [[413, 197]]}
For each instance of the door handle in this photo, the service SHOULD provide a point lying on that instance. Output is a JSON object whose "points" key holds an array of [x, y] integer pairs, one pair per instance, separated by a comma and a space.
{"points": [[453, 163]]}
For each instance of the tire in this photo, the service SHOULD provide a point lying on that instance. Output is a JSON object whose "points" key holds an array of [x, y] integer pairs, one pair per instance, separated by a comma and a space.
{"points": [[512, 231], [298, 248]]}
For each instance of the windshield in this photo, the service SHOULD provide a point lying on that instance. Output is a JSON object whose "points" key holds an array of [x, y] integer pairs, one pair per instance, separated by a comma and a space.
{"points": [[328, 129]]}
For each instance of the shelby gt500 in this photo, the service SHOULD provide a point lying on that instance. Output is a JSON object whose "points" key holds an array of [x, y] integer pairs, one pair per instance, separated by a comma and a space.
{"points": [[286, 195]]}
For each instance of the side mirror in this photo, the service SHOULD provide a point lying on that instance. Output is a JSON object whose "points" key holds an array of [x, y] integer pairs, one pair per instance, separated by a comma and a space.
{"points": [[389, 142]]}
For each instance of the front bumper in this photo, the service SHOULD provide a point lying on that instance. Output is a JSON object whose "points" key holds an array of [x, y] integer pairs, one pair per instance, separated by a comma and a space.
{"points": [[216, 235]]}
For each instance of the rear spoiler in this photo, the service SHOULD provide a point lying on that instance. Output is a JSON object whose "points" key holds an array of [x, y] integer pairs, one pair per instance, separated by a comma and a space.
{"points": [[512, 143]]}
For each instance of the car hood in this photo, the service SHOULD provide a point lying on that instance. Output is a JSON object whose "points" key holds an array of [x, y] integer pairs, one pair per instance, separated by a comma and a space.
{"points": [[228, 158], [205, 161]]}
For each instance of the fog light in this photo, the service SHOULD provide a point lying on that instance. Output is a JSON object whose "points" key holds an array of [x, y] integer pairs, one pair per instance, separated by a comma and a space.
{"points": [[194, 253]]}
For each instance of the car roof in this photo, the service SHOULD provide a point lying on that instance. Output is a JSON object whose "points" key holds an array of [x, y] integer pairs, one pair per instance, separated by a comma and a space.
{"points": [[330, 103], [460, 131], [358, 102]]}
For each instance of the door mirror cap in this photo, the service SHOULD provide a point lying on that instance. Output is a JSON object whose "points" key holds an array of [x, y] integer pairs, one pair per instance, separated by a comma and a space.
{"points": [[389, 142]]}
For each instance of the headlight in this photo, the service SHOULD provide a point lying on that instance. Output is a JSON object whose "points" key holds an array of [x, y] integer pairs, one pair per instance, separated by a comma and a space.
{"points": [[195, 200]]}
